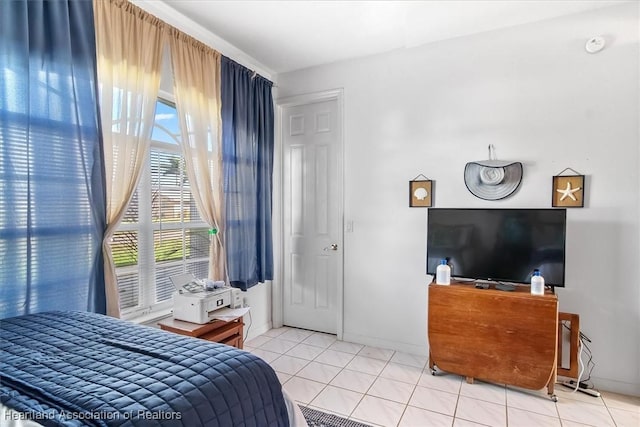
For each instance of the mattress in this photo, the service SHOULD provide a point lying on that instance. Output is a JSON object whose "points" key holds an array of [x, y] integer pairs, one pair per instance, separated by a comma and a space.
{"points": [[78, 368]]}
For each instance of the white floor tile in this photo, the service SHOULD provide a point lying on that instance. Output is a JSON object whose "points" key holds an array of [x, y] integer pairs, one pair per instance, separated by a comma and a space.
{"points": [[620, 401], [391, 390], [416, 417], [376, 353], [353, 380], [434, 400], [410, 359], [366, 365], [267, 356], [278, 346], [302, 390], [297, 335], [521, 418], [480, 411], [257, 341], [484, 391], [283, 377], [337, 400], [379, 411], [288, 365], [276, 332], [404, 373], [565, 393], [346, 347], [305, 351], [335, 358], [585, 413], [566, 423], [319, 372], [441, 381], [459, 422], [532, 401], [320, 340], [378, 387], [624, 418]]}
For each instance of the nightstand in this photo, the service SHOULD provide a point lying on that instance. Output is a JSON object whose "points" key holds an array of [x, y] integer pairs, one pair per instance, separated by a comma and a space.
{"points": [[230, 333]]}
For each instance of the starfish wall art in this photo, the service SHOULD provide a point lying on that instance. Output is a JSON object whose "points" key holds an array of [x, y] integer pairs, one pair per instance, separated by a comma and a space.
{"points": [[568, 191]]}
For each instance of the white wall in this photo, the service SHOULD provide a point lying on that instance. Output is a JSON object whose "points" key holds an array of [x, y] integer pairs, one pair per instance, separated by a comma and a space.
{"points": [[259, 320], [534, 93]]}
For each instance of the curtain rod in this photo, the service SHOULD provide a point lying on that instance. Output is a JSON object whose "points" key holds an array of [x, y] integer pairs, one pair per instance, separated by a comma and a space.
{"points": [[169, 27]]}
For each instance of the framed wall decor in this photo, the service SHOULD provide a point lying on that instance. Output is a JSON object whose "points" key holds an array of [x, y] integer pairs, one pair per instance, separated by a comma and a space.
{"points": [[421, 194], [568, 191]]}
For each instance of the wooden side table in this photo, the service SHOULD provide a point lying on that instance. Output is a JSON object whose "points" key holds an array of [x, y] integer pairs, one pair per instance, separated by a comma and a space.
{"points": [[498, 336], [229, 333]]}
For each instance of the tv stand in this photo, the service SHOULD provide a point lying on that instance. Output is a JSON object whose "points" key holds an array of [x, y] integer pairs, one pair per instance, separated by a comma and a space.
{"points": [[501, 286], [502, 337], [509, 287]]}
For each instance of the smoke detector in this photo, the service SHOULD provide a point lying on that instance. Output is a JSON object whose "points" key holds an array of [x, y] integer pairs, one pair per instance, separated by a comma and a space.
{"points": [[595, 44]]}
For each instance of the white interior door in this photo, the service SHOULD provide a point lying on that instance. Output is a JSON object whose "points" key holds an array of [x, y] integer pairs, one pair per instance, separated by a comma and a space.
{"points": [[312, 215]]}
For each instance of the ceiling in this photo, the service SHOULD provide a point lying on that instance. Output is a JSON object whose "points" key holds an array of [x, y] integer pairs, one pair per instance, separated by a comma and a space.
{"points": [[290, 35]]}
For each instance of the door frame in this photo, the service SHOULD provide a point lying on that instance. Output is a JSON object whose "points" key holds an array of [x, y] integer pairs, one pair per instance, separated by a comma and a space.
{"points": [[277, 289]]}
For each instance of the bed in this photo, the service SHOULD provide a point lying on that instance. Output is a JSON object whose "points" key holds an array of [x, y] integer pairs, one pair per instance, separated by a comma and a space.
{"points": [[79, 368]]}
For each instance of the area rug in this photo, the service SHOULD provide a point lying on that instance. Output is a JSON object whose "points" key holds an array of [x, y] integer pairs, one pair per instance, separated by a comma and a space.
{"points": [[317, 418]]}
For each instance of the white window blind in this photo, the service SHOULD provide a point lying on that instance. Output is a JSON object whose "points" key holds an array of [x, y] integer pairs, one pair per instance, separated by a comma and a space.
{"points": [[162, 233]]}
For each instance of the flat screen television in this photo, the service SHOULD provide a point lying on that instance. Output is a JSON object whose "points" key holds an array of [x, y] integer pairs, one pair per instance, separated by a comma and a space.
{"points": [[503, 245]]}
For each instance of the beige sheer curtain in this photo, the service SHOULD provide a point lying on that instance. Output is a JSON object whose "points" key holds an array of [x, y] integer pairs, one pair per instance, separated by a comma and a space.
{"points": [[129, 50], [196, 73]]}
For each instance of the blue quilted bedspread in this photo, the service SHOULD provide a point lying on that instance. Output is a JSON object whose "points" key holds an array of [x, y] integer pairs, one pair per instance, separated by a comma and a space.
{"points": [[75, 368]]}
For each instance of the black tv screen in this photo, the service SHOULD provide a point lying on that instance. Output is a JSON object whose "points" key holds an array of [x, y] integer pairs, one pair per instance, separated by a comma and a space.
{"points": [[498, 244]]}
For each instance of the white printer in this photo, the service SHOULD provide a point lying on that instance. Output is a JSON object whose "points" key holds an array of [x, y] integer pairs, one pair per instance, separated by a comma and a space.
{"points": [[200, 306]]}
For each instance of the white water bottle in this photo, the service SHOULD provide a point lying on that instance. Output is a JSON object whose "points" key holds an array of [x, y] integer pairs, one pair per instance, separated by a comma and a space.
{"points": [[537, 283], [443, 273]]}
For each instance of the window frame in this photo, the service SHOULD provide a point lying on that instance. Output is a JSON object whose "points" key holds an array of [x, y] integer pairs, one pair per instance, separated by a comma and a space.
{"points": [[146, 267]]}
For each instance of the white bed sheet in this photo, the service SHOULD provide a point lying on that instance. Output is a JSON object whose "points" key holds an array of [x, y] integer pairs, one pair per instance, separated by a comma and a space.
{"points": [[296, 418]]}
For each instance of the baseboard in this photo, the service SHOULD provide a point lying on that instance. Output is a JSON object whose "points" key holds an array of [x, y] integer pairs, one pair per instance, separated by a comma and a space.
{"points": [[255, 330], [392, 345], [621, 387]]}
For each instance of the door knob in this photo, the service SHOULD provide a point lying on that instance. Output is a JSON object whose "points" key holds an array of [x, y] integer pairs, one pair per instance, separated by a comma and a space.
{"points": [[332, 247]]}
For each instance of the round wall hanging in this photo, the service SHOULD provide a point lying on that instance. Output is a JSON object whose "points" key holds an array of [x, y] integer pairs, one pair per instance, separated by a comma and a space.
{"points": [[492, 179]]}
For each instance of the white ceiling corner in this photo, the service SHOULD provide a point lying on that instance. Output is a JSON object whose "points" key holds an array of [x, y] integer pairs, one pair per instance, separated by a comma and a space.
{"points": [[280, 36]]}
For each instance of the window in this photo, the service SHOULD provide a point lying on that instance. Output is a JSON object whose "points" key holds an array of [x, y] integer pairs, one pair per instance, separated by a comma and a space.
{"points": [[162, 233]]}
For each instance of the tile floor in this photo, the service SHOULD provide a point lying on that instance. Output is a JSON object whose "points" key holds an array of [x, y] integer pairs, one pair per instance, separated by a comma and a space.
{"points": [[388, 388]]}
